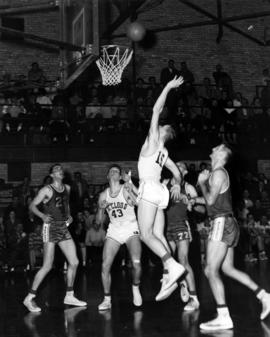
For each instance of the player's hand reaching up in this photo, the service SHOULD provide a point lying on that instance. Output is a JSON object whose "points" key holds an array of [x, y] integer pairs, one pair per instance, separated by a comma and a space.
{"points": [[175, 83]]}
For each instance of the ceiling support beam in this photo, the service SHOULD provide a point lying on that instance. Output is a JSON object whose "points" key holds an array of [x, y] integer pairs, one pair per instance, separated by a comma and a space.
{"points": [[220, 24], [227, 25], [56, 43]]}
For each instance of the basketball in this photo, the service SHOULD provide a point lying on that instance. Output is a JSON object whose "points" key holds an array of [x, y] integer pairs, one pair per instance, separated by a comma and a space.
{"points": [[135, 31]]}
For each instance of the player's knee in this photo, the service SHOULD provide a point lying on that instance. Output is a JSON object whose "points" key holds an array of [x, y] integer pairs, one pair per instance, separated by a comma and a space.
{"points": [[227, 269], [146, 235], [210, 271], [136, 263], [47, 266], [74, 263]]}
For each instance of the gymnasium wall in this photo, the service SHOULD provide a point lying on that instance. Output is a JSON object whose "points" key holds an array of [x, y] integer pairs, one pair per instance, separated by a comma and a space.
{"points": [[16, 56], [241, 58]]}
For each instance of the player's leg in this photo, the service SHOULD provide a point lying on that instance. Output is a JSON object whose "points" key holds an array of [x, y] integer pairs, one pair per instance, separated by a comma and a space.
{"points": [[69, 250], [48, 256], [172, 269], [229, 270], [110, 249], [146, 217], [135, 251], [215, 255], [182, 252]]}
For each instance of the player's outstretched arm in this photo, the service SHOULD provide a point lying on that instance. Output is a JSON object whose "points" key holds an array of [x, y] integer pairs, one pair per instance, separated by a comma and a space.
{"points": [[159, 105]]}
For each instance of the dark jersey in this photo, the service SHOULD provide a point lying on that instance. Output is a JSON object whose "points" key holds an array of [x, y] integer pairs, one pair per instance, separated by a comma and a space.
{"points": [[223, 204], [177, 210], [57, 206]]}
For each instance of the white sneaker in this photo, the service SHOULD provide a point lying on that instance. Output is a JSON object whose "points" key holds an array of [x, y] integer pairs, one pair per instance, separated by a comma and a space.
{"points": [[106, 304], [221, 322], [72, 300], [193, 304], [165, 293], [30, 304], [175, 271], [184, 293], [137, 297], [265, 299]]}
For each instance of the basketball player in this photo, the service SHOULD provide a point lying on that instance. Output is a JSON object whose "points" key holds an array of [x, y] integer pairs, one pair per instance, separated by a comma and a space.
{"points": [[153, 196], [56, 217], [118, 201], [179, 235], [223, 237]]}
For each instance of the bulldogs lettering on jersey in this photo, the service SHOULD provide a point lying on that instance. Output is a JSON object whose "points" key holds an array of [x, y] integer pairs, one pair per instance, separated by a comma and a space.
{"points": [[118, 209]]}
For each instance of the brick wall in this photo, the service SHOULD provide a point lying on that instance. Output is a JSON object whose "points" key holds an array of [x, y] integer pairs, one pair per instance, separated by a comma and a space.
{"points": [[241, 58], [16, 58]]}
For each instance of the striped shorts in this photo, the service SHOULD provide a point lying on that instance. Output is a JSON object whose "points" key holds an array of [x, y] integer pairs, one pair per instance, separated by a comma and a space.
{"points": [[179, 231], [55, 232], [224, 229]]}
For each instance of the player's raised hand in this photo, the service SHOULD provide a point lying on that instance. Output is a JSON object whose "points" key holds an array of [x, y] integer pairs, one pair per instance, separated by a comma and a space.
{"points": [[203, 176], [175, 83], [175, 192]]}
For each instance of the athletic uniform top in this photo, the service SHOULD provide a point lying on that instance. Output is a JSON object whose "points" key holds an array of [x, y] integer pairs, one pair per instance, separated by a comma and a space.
{"points": [[150, 167], [118, 209], [223, 204], [57, 206], [177, 210]]}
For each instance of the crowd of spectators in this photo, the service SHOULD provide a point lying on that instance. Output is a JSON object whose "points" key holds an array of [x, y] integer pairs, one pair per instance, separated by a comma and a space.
{"points": [[21, 231], [201, 113]]}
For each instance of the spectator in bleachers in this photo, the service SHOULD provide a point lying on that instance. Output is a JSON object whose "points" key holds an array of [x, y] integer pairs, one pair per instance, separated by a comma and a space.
{"points": [[265, 95], [265, 203], [17, 206], [156, 89], [256, 239], [140, 88], [168, 73], [36, 75], [17, 243], [2, 244], [265, 76], [257, 210], [223, 80], [35, 244], [59, 126]]}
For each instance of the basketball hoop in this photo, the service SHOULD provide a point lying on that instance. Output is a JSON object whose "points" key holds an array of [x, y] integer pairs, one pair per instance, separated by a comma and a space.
{"points": [[112, 62]]}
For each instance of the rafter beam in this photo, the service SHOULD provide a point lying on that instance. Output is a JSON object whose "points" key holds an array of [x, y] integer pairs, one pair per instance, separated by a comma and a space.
{"points": [[204, 23], [59, 44], [220, 24], [52, 5], [132, 10], [211, 16]]}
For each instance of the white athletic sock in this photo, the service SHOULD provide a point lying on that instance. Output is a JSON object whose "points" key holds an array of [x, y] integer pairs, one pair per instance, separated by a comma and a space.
{"points": [[31, 296], [224, 311], [70, 293]]}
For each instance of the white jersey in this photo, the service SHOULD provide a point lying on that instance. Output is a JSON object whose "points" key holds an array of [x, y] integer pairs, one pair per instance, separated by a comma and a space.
{"points": [[118, 209], [150, 167]]}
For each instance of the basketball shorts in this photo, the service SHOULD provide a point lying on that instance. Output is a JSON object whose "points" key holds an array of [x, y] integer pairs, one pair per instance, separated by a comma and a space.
{"points": [[55, 232], [224, 229], [123, 231], [154, 193], [179, 231]]}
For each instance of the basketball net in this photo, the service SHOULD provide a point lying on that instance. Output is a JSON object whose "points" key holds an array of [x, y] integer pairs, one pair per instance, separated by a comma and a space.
{"points": [[112, 63]]}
